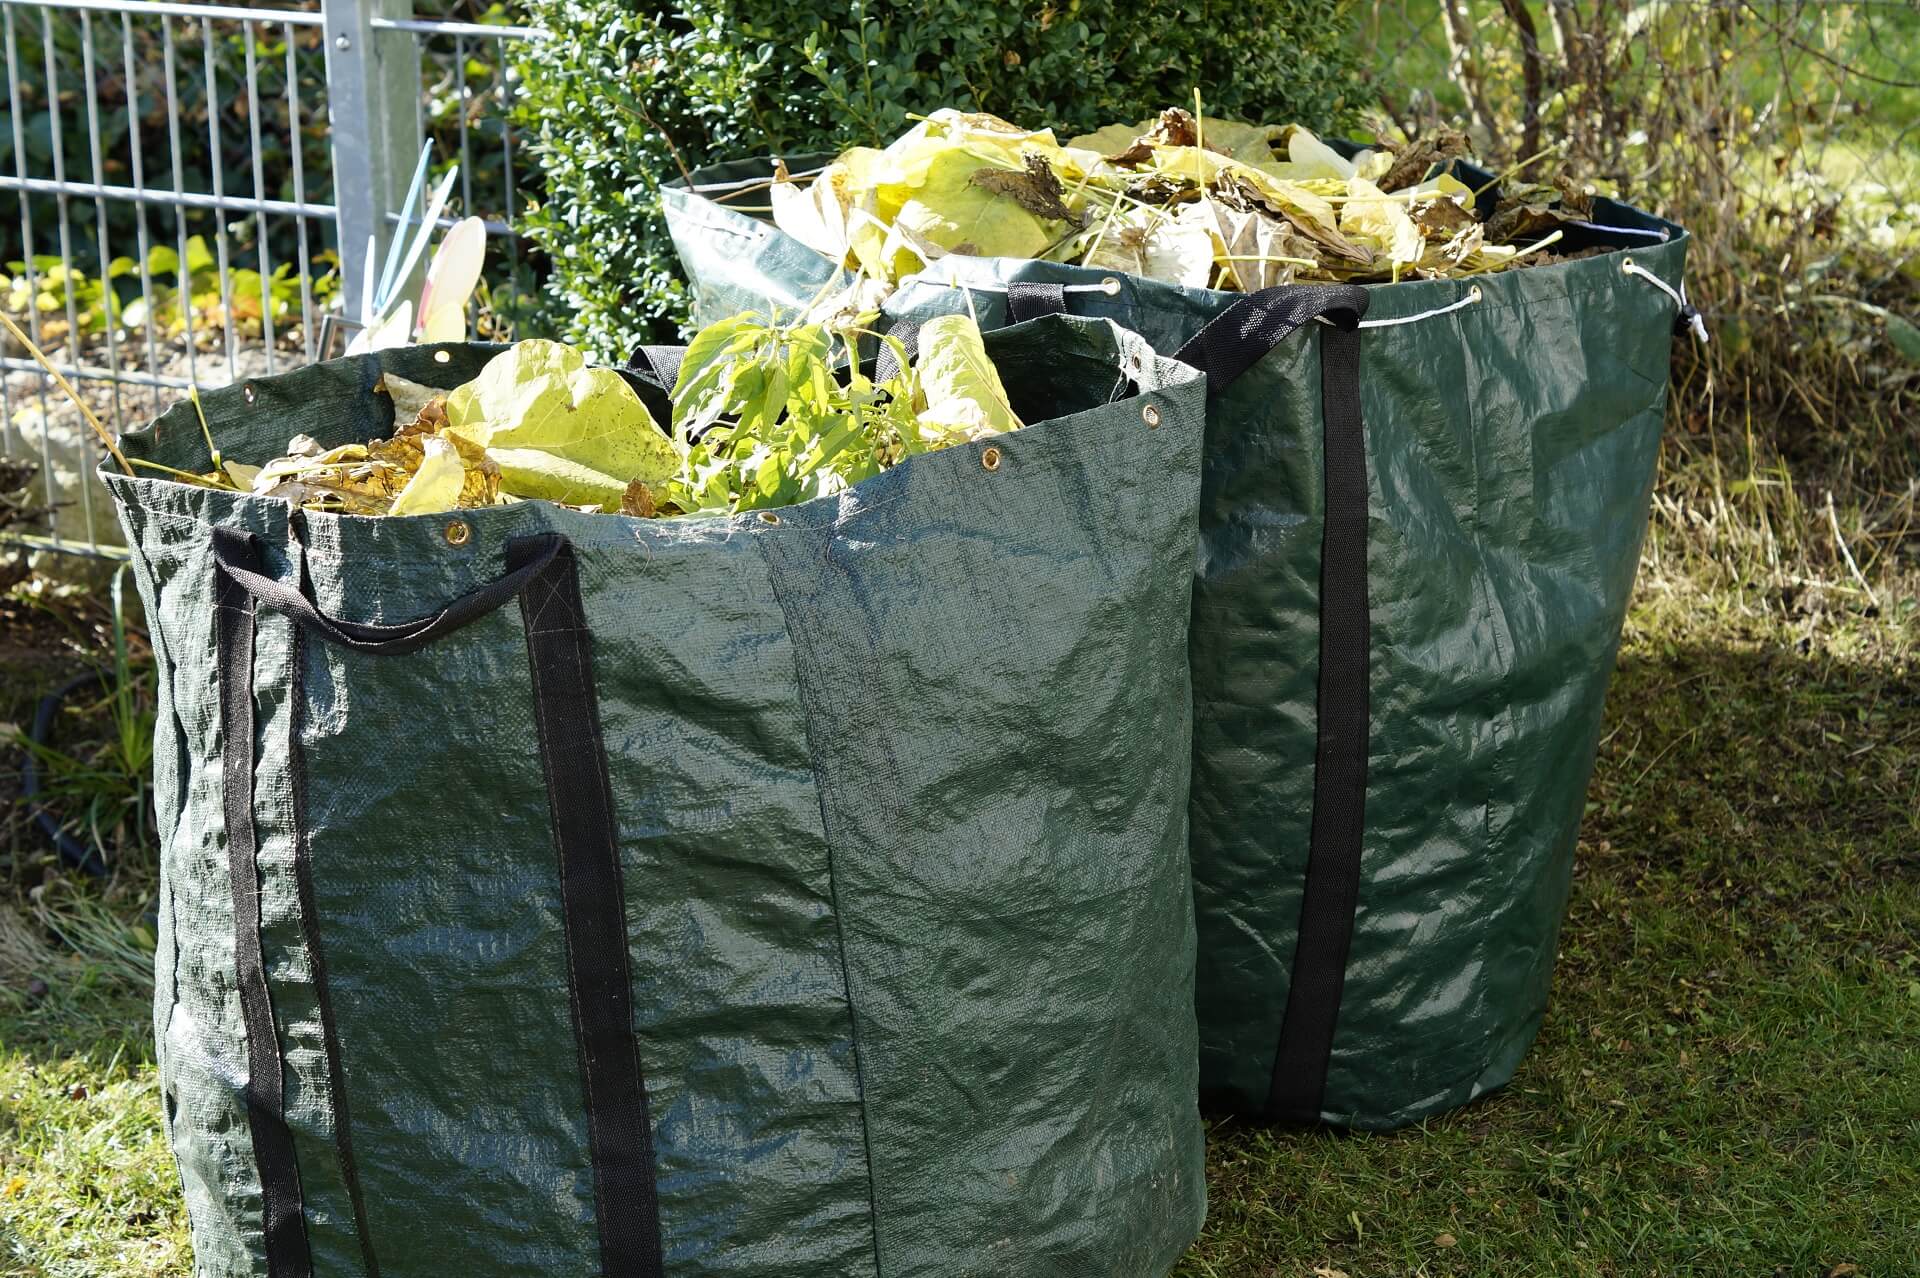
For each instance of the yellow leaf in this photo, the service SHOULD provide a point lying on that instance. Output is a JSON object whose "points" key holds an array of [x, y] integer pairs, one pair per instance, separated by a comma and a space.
{"points": [[560, 430], [436, 486], [961, 396]]}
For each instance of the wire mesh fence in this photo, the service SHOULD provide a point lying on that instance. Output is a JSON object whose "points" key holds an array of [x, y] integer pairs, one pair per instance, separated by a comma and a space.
{"points": [[197, 187]]}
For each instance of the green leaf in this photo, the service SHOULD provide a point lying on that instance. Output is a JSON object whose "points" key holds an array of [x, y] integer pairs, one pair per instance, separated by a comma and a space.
{"points": [[560, 430], [703, 385], [960, 390], [1905, 336], [199, 256]]}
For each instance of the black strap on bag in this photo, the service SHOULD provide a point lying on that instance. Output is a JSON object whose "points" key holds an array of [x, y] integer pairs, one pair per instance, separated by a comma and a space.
{"points": [[1030, 300], [543, 573], [600, 989], [1228, 346], [283, 1223]]}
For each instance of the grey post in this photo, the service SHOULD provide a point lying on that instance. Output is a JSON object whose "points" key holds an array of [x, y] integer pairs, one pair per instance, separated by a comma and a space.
{"points": [[373, 79]]}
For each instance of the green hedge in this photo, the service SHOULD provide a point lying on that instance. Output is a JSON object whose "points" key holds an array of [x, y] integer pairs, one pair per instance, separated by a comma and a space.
{"points": [[625, 94]]}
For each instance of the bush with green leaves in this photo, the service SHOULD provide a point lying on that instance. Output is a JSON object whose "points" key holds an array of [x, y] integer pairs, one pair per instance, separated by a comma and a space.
{"points": [[627, 95]]}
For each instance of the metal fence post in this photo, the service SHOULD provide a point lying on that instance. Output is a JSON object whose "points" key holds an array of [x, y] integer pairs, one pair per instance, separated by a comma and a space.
{"points": [[373, 80]]}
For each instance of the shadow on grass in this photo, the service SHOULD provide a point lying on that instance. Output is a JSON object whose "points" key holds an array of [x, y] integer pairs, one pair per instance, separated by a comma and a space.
{"points": [[1729, 1077]]}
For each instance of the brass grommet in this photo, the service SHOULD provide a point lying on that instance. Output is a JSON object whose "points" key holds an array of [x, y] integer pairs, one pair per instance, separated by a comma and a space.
{"points": [[250, 392], [990, 459], [768, 517], [442, 357], [459, 532], [1111, 286], [1151, 416]]}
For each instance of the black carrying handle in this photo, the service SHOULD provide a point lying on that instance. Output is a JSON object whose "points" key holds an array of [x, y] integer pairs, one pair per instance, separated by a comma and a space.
{"points": [[1246, 332], [237, 554], [1232, 343], [1030, 300]]}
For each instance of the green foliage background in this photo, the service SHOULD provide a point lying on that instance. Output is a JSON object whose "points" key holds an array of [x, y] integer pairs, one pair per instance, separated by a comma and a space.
{"points": [[629, 93]]}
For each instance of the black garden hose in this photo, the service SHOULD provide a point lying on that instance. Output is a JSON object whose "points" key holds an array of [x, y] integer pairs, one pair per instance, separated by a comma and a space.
{"points": [[71, 850]]}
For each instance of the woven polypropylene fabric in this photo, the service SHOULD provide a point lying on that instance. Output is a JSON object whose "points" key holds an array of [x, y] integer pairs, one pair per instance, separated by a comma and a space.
{"points": [[1510, 452], [900, 788]]}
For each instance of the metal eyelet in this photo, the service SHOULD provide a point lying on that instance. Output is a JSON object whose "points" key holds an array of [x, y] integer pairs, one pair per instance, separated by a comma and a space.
{"points": [[990, 459], [459, 532], [1626, 264], [1112, 285], [443, 357], [768, 517], [1151, 416], [250, 393]]}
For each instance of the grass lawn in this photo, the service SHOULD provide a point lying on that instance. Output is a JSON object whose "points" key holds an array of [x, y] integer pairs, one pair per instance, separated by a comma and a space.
{"points": [[1728, 1081]]}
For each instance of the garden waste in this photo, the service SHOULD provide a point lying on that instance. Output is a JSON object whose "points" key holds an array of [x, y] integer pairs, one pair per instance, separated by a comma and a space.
{"points": [[760, 417], [794, 892], [1197, 202], [1420, 516]]}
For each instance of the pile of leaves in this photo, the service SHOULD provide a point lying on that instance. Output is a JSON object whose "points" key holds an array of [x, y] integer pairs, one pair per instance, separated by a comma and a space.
{"points": [[762, 415], [1193, 201]]}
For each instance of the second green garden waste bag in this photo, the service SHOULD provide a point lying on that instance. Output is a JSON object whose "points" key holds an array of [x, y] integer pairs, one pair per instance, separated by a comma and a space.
{"points": [[799, 894], [1407, 602]]}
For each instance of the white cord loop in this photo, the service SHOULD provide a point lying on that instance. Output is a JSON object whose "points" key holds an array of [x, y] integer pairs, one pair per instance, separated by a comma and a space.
{"points": [[1621, 230], [1688, 315], [1110, 286], [1473, 295]]}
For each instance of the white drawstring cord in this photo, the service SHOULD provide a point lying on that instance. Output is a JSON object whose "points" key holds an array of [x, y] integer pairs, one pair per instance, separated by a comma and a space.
{"points": [[1473, 295], [1694, 323], [1110, 285], [1619, 230], [741, 183]]}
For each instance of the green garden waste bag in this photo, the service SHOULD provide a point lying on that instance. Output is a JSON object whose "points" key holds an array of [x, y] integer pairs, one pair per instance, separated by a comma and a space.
{"points": [[1410, 589], [798, 894]]}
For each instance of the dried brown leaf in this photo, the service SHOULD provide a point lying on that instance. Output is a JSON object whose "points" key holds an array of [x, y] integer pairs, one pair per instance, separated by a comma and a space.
{"points": [[1413, 161], [638, 500], [1036, 189]]}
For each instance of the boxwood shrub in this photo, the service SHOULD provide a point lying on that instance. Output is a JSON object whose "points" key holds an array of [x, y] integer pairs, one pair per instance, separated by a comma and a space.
{"points": [[625, 94]]}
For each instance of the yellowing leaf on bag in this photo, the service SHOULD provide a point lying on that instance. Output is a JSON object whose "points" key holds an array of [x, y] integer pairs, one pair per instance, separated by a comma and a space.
{"points": [[982, 130], [435, 487], [560, 430], [408, 397], [1191, 164], [1380, 221], [960, 393], [1259, 251], [1247, 143], [451, 280], [819, 214], [1312, 158], [1311, 213], [1110, 139], [959, 215]]}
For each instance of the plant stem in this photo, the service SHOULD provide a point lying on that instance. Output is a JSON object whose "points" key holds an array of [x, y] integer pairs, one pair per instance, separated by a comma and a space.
{"points": [[106, 436]]}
